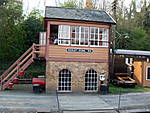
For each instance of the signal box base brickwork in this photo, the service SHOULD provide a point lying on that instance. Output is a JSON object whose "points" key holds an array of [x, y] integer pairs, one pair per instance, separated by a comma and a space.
{"points": [[78, 73]]}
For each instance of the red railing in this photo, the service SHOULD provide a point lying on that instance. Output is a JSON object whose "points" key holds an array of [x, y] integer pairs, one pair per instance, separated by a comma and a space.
{"points": [[20, 65]]}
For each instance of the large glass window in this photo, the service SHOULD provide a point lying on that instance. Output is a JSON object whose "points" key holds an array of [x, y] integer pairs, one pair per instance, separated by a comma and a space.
{"points": [[79, 35], [83, 36], [75, 35], [94, 41], [64, 35], [103, 37]]}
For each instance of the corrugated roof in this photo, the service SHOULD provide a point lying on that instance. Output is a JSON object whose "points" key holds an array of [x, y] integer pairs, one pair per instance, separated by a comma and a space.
{"points": [[78, 14], [132, 52]]}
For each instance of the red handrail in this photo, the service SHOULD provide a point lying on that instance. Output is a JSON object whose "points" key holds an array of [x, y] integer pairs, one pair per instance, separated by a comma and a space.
{"points": [[13, 65], [25, 61]]}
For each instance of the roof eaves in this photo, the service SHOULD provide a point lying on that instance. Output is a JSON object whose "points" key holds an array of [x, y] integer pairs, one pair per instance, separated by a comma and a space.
{"points": [[111, 17], [79, 20]]}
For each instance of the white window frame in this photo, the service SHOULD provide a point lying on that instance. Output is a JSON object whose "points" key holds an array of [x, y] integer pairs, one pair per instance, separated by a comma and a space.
{"points": [[147, 72], [80, 36], [104, 40], [64, 82], [94, 37], [75, 36], [60, 33], [84, 36], [104, 35], [91, 82]]}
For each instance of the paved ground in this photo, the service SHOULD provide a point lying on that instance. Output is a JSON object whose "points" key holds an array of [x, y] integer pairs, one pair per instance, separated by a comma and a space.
{"points": [[26, 101], [20, 101]]}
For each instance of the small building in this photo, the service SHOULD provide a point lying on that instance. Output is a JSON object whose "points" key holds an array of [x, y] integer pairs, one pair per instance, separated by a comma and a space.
{"points": [[77, 49], [127, 57], [134, 62], [142, 73]]}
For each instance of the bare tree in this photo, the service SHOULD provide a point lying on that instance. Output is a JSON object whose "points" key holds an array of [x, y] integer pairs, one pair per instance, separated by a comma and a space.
{"points": [[114, 8], [89, 4]]}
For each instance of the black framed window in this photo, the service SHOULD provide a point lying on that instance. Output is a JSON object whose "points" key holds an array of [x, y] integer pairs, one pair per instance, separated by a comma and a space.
{"points": [[148, 73], [91, 82], [64, 82]]}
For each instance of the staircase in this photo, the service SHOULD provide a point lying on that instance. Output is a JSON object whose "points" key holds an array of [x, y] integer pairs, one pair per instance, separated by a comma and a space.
{"points": [[20, 65]]}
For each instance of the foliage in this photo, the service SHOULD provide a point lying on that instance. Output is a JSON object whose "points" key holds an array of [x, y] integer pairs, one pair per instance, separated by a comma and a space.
{"points": [[135, 21], [138, 39], [117, 90], [11, 37], [70, 4], [32, 25], [17, 32]]}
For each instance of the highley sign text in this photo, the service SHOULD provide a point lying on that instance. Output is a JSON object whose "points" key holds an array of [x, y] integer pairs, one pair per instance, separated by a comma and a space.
{"points": [[79, 50]]}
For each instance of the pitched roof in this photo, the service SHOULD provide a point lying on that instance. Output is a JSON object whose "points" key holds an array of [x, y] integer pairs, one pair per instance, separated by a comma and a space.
{"points": [[131, 52], [78, 14]]}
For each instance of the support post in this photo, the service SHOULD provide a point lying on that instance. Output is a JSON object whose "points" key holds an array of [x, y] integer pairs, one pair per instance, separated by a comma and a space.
{"points": [[1, 86], [33, 50]]}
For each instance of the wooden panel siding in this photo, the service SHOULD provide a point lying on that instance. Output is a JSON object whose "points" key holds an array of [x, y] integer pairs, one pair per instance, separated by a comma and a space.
{"points": [[42, 52], [60, 52], [80, 23], [138, 72]]}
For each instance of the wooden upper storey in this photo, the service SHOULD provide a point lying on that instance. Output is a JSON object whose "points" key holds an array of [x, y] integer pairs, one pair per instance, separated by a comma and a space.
{"points": [[77, 39], [80, 41]]}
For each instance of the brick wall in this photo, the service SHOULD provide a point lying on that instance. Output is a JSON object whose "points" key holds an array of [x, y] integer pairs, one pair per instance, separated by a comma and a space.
{"points": [[77, 69]]}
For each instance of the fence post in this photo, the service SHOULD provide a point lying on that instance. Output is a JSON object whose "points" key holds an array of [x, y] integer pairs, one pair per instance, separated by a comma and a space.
{"points": [[1, 87], [119, 101]]}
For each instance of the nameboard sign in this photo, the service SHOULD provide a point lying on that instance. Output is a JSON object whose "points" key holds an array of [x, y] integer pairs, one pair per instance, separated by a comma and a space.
{"points": [[79, 50]]}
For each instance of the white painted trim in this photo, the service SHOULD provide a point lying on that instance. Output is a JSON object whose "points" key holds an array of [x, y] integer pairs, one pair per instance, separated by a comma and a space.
{"points": [[89, 29], [111, 17]]}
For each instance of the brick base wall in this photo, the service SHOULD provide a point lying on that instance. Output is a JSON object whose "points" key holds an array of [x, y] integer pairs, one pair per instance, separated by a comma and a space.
{"points": [[77, 69]]}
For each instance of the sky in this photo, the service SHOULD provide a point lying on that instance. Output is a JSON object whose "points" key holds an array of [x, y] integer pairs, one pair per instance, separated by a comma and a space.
{"points": [[28, 5]]}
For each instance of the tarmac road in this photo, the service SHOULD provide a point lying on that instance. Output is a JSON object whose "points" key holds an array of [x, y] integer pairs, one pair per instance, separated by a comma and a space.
{"points": [[23, 101]]}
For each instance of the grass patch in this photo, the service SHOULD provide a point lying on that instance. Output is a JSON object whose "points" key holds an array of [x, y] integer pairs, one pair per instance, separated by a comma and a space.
{"points": [[116, 90]]}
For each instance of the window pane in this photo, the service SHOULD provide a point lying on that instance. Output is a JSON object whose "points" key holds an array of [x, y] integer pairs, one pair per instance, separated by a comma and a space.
{"points": [[77, 29], [96, 36], [92, 30], [103, 37], [72, 28], [92, 36], [94, 41], [63, 35], [82, 29], [75, 35], [96, 30]]}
